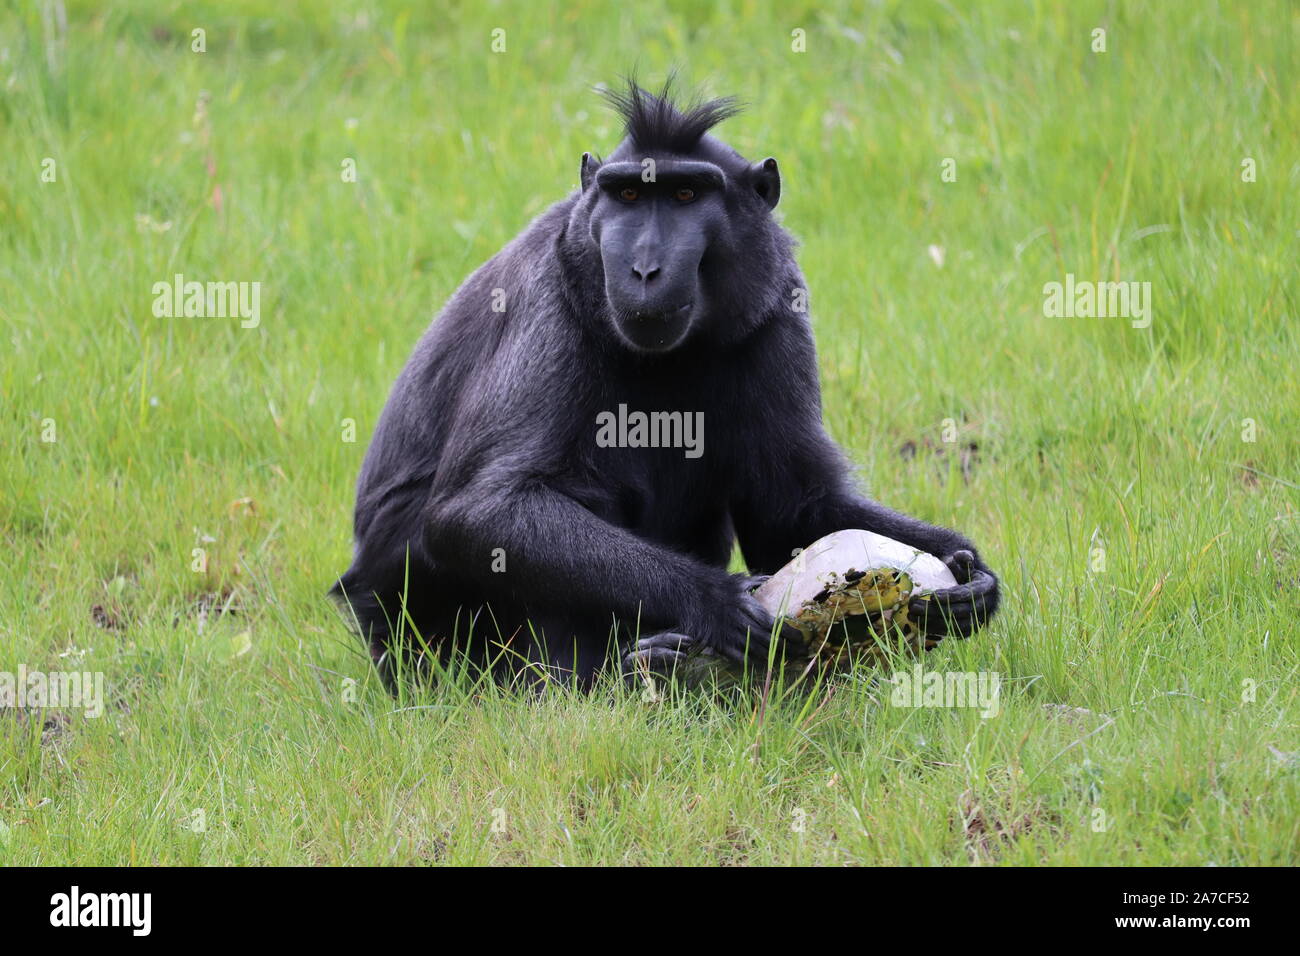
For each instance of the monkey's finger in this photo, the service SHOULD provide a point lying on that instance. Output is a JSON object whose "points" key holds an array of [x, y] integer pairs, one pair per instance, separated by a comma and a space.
{"points": [[981, 583], [790, 641], [939, 603], [747, 645], [922, 608], [961, 563], [658, 660], [960, 619], [758, 640], [933, 623], [961, 626], [668, 640], [954, 601], [940, 617]]}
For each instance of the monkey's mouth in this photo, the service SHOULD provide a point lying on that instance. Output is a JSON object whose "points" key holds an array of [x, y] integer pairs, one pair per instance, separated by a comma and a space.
{"points": [[661, 315], [655, 329]]}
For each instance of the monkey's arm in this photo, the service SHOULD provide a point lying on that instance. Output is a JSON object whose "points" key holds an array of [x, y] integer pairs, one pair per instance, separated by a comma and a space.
{"points": [[560, 554]]}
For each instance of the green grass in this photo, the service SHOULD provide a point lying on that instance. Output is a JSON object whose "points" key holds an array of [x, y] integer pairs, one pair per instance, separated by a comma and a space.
{"points": [[171, 432]]}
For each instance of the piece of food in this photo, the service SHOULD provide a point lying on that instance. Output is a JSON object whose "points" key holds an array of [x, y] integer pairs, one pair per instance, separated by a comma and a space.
{"points": [[848, 593]]}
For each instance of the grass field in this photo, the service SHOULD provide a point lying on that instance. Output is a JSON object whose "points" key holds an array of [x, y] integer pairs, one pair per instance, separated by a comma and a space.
{"points": [[1138, 489]]}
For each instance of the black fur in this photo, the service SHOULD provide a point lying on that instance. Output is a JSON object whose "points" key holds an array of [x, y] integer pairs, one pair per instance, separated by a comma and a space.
{"points": [[656, 301], [654, 124]]}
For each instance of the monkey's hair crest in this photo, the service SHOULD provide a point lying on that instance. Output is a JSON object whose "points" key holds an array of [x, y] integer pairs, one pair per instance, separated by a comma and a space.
{"points": [[654, 123]]}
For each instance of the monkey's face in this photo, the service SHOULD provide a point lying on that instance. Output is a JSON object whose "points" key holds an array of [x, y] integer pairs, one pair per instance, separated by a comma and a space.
{"points": [[684, 242], [654, 235]]}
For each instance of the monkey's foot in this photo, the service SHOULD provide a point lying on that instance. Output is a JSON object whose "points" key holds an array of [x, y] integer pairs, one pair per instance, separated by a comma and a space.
{"points": [[672, 656]]}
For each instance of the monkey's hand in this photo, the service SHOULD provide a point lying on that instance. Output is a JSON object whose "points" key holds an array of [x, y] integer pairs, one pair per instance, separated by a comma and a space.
{"points": [[963, 610], [740, 630], [732, 627]]}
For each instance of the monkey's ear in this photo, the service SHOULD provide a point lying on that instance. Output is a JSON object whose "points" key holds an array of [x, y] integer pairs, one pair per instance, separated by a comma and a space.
{"points": [[766, 180], [588, 172]]}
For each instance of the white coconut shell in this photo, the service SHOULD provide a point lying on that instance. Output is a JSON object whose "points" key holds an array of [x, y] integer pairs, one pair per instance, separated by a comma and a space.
{"points": [[828, 559]]}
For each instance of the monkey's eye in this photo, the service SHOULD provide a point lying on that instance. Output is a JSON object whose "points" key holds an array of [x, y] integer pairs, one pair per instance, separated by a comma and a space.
{"points": [[684, 195], [628, 195]]}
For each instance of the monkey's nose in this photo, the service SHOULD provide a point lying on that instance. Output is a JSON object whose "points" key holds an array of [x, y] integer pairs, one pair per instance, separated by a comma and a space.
{"points": [[645, 273]]}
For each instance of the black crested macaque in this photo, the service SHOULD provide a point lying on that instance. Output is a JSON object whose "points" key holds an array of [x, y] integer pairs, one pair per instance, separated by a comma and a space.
{"points": [[501, 516]]}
